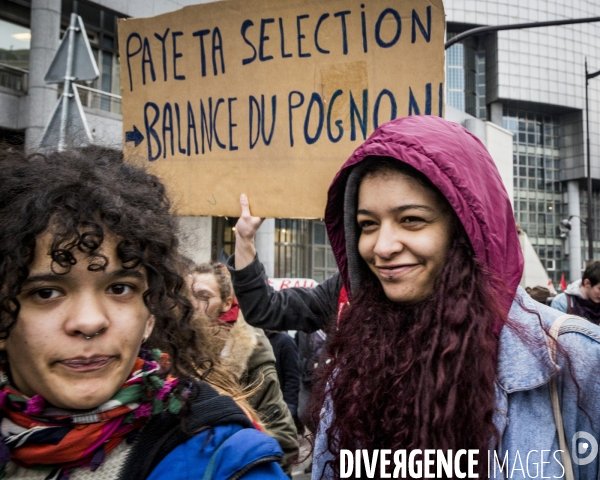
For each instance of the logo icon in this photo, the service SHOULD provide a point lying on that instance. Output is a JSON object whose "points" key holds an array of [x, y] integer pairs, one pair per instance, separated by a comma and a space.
{"points": [[584, 447]]}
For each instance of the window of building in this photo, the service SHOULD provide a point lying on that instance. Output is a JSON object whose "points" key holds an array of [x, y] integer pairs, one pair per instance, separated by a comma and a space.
{"points": [[301, 247], [291, 243], [596, 222], [15, 40], [538, 191], [223, 238], [16, 11], [15, 43], [465, 76], [101, 27], [479, 91], [323, 261], [455, 75], [302, 250]]}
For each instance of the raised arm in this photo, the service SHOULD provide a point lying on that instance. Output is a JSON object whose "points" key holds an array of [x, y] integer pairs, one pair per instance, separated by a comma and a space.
{"points": [[245, 231], [305, 309]]}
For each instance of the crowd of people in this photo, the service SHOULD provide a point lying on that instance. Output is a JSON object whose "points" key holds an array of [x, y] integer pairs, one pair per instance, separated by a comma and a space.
{"points": [[581, 298], [122, 359]]}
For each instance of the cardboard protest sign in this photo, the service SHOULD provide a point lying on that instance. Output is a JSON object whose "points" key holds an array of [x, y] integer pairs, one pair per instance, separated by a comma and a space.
{"points": [[270, 97]]}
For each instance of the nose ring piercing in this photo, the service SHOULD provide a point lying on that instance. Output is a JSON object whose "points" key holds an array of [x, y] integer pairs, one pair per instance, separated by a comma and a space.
{"points": [[90, 336]]}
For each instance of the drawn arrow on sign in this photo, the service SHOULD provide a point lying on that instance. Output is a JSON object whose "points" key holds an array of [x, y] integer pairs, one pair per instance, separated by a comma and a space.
{"points": [[134, 136]]}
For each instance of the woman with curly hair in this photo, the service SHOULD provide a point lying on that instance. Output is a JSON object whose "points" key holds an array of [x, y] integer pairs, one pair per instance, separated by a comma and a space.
{"points": [[439, 348], [100, 353]]}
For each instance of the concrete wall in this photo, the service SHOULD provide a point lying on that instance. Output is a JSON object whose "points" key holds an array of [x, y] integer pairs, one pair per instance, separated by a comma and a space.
{"points": [[499, 142], [573, 145], [12, 109], [195, 236], [106, 127], [41, 98]]}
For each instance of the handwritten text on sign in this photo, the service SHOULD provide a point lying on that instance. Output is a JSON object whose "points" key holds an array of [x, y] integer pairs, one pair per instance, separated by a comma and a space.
{"points": [[269, 97]]}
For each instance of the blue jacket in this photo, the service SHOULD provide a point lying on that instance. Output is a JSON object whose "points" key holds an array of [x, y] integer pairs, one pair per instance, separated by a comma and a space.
{"points": [[524, 417], [228, 451]]}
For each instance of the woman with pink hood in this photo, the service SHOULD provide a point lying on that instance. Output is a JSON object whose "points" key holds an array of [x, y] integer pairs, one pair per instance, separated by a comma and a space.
{"points": [[439, 348]]}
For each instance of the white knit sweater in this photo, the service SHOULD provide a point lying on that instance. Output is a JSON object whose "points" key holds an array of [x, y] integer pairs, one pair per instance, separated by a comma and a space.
{"points": [[109, 470]]}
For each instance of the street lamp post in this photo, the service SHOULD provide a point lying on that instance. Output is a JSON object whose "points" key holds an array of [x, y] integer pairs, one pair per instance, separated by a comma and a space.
{"points": [[590, 222]]}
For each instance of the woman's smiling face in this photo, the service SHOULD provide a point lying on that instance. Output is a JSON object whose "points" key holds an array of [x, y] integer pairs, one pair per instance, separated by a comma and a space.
{"points": [[405, 234], [78, 334]]}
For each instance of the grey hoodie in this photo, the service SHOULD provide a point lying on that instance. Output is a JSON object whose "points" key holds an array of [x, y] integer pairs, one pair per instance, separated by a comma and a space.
{"points": [[560, 301]]}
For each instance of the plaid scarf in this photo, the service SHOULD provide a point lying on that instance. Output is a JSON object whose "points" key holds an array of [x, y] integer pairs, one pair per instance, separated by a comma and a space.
{"points": [[34, 434]]}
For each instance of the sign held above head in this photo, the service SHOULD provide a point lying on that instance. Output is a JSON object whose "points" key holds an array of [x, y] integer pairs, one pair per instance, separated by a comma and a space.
{"points": [[270, 97]]}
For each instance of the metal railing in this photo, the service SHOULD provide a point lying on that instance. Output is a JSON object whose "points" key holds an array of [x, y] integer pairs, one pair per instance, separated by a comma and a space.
{"points": [[94, 98], [13, 77], [16, 78]]}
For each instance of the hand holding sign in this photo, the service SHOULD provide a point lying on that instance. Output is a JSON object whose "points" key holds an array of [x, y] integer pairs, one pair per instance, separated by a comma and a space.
{"points": [[245, 231], [247, 225]]}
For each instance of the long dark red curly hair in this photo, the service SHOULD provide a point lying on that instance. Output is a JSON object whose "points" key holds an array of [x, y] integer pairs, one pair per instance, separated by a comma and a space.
{"points": [[419, 377]]}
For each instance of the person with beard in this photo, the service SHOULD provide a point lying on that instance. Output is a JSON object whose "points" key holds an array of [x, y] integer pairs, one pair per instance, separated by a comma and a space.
{"points": [[583, 296], [439, 347]]}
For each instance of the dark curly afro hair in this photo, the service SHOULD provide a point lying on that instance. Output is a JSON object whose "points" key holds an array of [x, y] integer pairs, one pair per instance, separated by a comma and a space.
{"points": [[80, 196]]}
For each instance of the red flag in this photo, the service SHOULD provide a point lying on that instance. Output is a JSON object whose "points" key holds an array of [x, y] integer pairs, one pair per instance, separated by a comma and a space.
{"points": [[563, 284]]}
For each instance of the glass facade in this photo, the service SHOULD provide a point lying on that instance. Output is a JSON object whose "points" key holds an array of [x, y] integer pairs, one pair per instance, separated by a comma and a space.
{"points": [[596, 226], [101, 28], [455, 76], [465, 77], [475, 103], [15, 42], [223, 238], [302, 248], [290, 248], [323, 261], [538, 200]]}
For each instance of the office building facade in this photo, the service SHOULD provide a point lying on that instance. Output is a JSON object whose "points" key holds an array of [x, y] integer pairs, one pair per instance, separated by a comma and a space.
{"points": [[532, 83]]}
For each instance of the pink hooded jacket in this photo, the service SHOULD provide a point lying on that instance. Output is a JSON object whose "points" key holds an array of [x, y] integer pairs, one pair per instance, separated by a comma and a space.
{"points": [[459, 165]]}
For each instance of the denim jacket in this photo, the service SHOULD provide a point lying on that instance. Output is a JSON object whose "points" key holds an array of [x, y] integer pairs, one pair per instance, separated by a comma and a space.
{"points": [[524, 418]]}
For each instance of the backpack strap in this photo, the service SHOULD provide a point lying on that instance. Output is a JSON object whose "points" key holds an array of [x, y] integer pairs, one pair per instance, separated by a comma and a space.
{"points": [[558, 419], [165, 431], [212, 464]]}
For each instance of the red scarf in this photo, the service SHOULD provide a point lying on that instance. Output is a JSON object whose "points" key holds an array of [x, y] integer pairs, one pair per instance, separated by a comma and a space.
{"points": [[230, 315], [37, 434]]}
